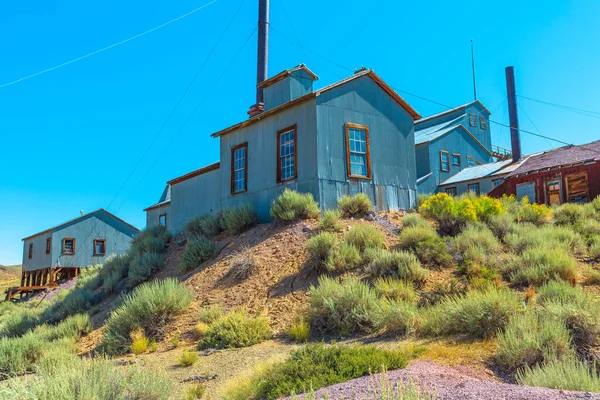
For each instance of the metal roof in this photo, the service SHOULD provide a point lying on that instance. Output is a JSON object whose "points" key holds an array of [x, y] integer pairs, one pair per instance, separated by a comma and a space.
{"points": [[101, 210], [433, 132], [451, 111], [286, 73], [490, 170], [561, 157]]}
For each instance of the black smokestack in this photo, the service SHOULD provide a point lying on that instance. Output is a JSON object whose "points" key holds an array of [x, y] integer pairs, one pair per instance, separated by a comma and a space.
{"points": [[263, 55], [515, 137]]}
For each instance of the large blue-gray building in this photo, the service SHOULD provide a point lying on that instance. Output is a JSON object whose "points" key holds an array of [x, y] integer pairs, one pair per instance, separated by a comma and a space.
{"points": [[354, 136]]}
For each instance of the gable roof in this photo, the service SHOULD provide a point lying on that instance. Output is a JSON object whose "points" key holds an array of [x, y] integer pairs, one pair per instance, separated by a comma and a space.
{"points": [[433, 132], [490, 170], [560, 157], [285, 74], [72, 221], [367, 72], [195, 173], [459, 108]]}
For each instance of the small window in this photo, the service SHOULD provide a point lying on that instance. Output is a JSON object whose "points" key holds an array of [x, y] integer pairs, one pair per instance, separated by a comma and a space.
{"points": [[68, 246], [99, 247], [456, 159], [470, 161], [286, 154], [483, 123], [474, 187], [239, 168], [30, 250], [451, 191], [445, 160], [472, 119], [497, 182], [162, 219], [358, 157], [48, 245]]}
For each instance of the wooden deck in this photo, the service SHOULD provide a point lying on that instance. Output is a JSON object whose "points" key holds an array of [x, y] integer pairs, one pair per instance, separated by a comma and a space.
{"points": [[40, 279]]}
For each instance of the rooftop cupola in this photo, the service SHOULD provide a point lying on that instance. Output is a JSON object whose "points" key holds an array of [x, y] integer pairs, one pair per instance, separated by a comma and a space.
{"points": [[287, 85]]}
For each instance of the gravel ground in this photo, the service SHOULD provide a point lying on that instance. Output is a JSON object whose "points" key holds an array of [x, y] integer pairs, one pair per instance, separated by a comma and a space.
{"points": [[447, 384]]}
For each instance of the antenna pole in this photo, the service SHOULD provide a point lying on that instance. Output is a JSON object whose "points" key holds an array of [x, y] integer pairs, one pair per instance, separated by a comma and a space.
{"points": [[473, 68]]}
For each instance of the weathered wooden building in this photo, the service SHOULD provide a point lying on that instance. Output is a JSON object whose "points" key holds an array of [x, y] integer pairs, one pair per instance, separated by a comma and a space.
{"points": [[81, 242], [449, 142], [356, 135], [566, 174]]}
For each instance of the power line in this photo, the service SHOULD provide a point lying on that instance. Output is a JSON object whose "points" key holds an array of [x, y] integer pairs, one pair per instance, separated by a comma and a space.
{"points": [[568, 108], [108, 47], [533, 133], [293, 30], [532, 123]]}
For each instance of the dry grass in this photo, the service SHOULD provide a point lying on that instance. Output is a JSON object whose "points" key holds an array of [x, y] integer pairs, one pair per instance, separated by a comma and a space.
{"points": [[454, 351]]}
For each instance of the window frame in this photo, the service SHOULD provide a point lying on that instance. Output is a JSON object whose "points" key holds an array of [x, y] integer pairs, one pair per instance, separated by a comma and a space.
{"points": [[160, 217], [233, 150], [442, 161], [497, 180], [279, 166], [30, 251], [71, 253], [472, 119], [48, 245], [459, 160], [483, 123], [472, 158], [449, 189], [94, 250], [351, 125], [478, 193]]}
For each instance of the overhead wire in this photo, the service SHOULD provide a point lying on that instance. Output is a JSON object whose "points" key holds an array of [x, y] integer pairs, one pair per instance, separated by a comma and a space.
{"points": [[64, 64], [589, 113]]}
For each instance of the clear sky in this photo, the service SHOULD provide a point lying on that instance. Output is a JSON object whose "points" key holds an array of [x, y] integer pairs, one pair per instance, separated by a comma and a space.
{"points": [[69, 138]]}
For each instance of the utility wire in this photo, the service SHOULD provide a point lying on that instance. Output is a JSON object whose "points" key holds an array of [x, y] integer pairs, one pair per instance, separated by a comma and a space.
{"points": [[574, 109], [293, 30], [532, 123], [108, 47]]}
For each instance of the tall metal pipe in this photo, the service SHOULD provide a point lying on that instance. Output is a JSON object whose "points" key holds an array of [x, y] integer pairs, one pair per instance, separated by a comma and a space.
{"points": [[263, 47], [515, 137]]}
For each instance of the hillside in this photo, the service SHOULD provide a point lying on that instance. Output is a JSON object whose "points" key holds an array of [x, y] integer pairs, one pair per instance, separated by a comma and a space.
{"points": [[478, 293], [10, 275]]}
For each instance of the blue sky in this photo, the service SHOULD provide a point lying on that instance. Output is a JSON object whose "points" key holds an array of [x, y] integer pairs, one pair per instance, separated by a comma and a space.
{"points": [[70, 137]]}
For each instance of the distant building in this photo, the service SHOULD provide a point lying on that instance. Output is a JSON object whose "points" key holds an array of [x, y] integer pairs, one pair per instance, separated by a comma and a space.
{"points": [[81, 242], [448, 142], [354, 136], [569, 174]]}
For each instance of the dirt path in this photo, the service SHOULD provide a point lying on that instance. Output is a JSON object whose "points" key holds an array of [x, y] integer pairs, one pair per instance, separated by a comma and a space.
{"points": [[447, 383]]}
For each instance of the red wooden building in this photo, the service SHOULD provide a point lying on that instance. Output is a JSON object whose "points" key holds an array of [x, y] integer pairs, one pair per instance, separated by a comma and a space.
{"points": [[566, 174]]}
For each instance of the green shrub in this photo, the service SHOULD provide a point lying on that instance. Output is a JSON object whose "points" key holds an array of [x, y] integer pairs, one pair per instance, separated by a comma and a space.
{"points": [[195, 392], [196, 252], [292, 206], [139, 342], [410, 220], [478, 313], [20, 355], [594, 250], [395, 317], [589, 229], [476, 244], [315, 366], [561, 292], [421, 198], [399, 263], [19, 321], [320, 245], [537, 214], [527, 236], [564, 374], [571, 214], [342, 307], [158, 231], [539, 265], [143, 267], [501, 225], [330, 220], [299, 331], [114, 270], [364, 235], [152, 239], [204, 225], [210, 314], [150, 307], [343, 257], [532, 338], [395, 289], [72, 327], [427, 245], [238, 220], [357, 204], [187, 358], [236, 330]]}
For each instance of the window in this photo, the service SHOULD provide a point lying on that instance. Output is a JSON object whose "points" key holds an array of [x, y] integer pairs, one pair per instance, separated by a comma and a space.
{"points": [[451, 191], [286, 154], [470, 161], [482, 123], [358, 155], [68, 246], [162, 219], [445, 160], [30, 250], [472, 119], [239, 168], [474, 187], [497, 182], [577, 188], [99, 247], [455, 159], [48, 245]]}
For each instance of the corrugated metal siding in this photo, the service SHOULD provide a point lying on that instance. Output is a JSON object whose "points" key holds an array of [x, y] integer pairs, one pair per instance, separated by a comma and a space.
{"points": [[483, 135], [298, 84], [39, 257], [391, 134], [153, 215], [196, 196], [526, 189], [118, 240]]}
